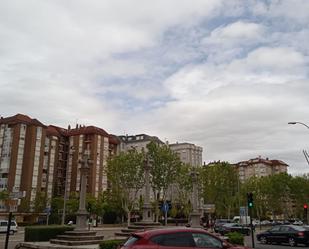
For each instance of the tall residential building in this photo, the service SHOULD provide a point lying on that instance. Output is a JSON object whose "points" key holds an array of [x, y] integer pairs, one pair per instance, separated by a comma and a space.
{"points": [[259, 167], [21, 155], [101, 145], [188, 153], [35, 158], [138, 142]]}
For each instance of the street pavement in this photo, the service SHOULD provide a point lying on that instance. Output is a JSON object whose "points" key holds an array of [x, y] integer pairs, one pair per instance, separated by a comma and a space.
{"points": [[109, 233]]}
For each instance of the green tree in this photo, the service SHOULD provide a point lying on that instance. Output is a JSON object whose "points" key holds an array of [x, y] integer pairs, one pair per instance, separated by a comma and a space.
{"points": [[165, 165], [39, 202], [220, 186], [126, 175]]}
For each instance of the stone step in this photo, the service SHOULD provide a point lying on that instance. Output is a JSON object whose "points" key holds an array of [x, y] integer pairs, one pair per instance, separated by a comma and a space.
{"points": [[147, 224], [81, 233], [79, 238], [74, 243], [123, 234], [131, 230]]}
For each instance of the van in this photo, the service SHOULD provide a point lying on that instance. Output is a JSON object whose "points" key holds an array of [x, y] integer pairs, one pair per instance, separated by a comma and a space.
{"points": [[4, 225], [243, 220]]}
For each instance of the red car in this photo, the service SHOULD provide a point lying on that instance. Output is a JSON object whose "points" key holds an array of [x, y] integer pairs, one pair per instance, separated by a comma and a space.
{"points": [[176, 238]]}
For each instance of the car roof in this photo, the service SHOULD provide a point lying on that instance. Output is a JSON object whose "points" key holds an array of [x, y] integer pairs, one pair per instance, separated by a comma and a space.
{"points": [[157, 231]]}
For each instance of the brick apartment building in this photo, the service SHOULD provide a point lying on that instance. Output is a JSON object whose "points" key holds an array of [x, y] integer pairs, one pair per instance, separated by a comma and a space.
{"points": [[259, 167], [34, 158]]}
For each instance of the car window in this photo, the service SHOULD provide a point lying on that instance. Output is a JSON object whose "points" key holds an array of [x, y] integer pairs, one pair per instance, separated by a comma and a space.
{"points": [[131, 240], [13, 223], [286, 229], [275, 229], [182, 239], [203, 240], [3, 223]]}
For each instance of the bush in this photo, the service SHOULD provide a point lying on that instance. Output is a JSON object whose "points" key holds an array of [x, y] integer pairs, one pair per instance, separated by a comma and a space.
{"points": [[236, 238], [111, 244], [44, 233]]}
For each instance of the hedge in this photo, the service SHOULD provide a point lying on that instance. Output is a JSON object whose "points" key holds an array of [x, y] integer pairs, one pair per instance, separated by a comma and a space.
{"points": [[44, 233], [236, 238], [111, 244]]}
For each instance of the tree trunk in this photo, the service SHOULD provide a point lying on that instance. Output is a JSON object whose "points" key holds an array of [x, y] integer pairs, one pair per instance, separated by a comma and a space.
{"points": [[129, 217]]}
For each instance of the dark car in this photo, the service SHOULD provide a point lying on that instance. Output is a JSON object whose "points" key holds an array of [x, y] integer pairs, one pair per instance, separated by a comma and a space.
{"points": [[219, 223], [234, 227], [290, 234], [176, 238]]}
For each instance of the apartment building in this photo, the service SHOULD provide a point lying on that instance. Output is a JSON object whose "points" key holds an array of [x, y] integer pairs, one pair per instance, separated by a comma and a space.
{"points": [[259, 167], [21, 155], [35, 158], [188, 153], [138, 142], [100, 145]]}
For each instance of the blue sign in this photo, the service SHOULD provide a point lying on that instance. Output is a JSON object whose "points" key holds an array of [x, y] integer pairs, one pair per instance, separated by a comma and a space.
{"points": [[47, 210], [165, 207]]}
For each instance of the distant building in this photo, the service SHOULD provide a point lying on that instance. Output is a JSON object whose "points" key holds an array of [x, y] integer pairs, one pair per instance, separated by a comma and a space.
{"points": [[138, 142], [259, 167], [188, 153]]}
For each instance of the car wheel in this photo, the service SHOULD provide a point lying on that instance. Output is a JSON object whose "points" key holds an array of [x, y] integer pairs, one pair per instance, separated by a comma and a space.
{"points": [[292, 242], [263, 240]]}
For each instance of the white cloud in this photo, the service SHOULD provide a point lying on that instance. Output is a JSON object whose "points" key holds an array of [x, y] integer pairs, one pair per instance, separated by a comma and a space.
{"points": [[227, 75], [239, 32]]}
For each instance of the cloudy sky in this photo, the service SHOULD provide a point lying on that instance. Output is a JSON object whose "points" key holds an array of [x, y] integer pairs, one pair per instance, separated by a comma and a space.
{"points": [[225, 75]]}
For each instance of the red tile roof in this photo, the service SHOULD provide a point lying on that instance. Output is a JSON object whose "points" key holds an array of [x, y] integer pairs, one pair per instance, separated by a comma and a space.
{"points": [[20, 118]]}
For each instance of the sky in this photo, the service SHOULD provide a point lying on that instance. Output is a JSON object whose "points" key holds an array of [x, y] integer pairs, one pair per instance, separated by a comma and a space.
{"points": [[225, 75]]}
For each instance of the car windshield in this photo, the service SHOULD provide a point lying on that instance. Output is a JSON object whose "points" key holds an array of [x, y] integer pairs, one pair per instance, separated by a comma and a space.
{"points": [[298, 228], [230, 225]]}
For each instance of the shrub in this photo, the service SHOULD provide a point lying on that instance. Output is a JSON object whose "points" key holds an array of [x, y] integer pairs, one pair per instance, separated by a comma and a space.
{"points": [[44, 233], [111, 244], [236, 238]]}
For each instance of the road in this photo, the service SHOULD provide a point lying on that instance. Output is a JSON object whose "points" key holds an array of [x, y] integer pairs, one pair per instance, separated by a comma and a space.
{"points": [[14, 239], [258, 245], [108, 233]]}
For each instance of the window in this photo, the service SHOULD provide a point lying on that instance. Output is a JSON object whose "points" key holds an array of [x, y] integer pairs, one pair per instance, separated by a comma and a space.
{"points": [[275, 229], [203, 240], [182, 239]]}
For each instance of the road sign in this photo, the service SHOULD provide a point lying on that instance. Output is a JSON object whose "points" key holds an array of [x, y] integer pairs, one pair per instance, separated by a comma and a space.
{"points": [[165, 207], [209, 208], [243, 211]]}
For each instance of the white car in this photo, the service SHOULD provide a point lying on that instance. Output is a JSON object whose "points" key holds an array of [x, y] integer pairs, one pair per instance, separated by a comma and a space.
{"points": [[298, 223], [4, 225]]}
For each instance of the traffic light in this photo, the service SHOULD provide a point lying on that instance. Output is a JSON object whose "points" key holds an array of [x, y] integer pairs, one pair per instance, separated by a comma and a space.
{"points": [[305, 212], [250, 200]]}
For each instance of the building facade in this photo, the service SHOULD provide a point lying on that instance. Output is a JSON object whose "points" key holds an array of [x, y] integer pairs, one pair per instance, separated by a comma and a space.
{"points": [[259, 167], [138, 142], [188, 153], [45, 160]]}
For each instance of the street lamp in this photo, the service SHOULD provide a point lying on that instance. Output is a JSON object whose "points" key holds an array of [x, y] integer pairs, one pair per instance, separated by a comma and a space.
{"points": [[293, 123]]}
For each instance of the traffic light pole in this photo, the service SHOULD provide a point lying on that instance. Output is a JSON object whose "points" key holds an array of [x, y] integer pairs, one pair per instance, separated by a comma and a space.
{"points": [[251, 226], [8, 231]]}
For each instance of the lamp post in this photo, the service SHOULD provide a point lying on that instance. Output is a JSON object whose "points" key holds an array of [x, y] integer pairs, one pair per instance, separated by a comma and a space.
{"points": [[293, 123]]}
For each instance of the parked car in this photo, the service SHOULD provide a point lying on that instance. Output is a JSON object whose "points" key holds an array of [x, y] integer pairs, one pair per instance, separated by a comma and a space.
{"points": [[290, 234], [4, 225], [265, 222], [234, 227], [219, 223], [176, 238]]}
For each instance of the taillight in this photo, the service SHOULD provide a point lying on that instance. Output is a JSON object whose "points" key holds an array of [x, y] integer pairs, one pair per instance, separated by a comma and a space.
{"points": [[300, 234]]}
